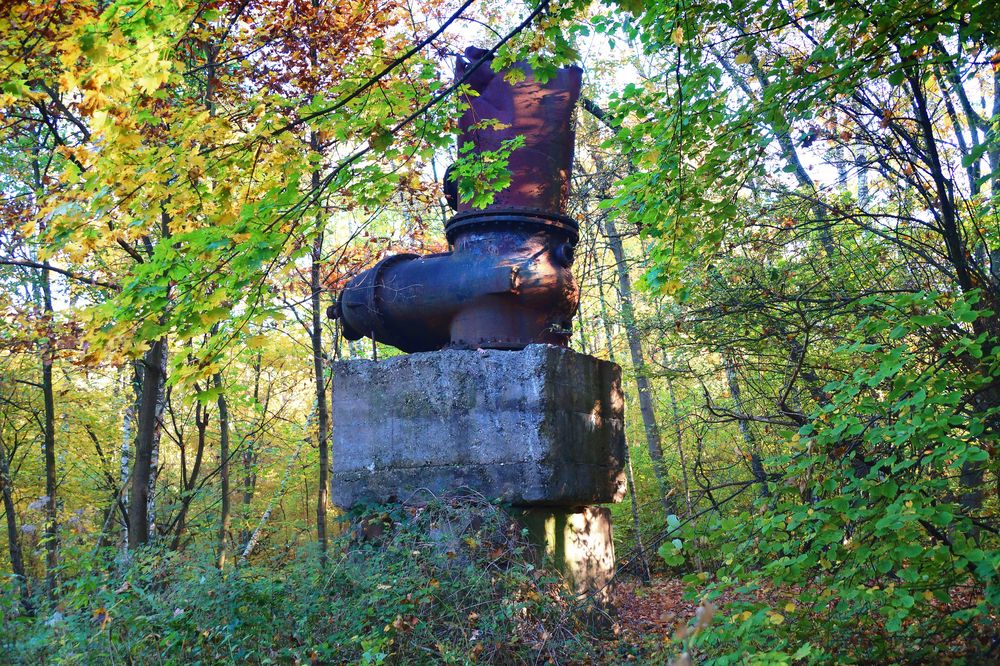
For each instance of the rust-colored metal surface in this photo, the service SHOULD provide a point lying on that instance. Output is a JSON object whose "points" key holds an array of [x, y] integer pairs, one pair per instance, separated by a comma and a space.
{"points": [[507, 282], [540, 112]]}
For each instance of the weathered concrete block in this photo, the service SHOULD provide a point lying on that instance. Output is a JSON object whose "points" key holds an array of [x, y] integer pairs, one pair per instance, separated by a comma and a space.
{"points": [[543, 425]]}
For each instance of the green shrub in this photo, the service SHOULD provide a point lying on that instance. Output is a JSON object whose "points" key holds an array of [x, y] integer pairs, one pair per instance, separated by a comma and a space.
{"points": [[867, 549]]}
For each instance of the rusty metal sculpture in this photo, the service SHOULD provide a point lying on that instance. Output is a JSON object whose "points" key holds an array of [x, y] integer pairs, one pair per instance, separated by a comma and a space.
{"points": [[507, 281]]}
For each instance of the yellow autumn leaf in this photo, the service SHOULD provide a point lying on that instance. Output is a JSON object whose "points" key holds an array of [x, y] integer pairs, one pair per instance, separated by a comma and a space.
{"points": [[256, 341], [68, 81], [672, 286], [127, 140], [742, 59], [152, 82], [677, 36], [775, 618], [213, 315], [651, 157]]}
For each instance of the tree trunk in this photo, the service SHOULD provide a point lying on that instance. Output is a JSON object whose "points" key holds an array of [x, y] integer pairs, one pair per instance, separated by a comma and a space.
{"points": [[639, 365], [154, 465], [133, 394], [51, 526], [255, 535], [146, 441], [13, 542], [316, 335], [189, 482], [756, 466], [682, 459], [629, 476], [972, 473], [323, 425], [680, 445], [249, 458], [223, 469]]}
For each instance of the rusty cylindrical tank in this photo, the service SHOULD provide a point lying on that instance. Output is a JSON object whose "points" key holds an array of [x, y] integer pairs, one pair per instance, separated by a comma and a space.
{"points": [[507, 281]]}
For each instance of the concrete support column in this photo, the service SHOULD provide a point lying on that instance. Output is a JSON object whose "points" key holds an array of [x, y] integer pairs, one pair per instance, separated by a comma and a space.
{"points": [[578, 543]]}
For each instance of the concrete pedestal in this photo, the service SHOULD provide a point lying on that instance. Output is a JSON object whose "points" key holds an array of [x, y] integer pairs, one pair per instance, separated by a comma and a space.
{"points": [[541, 429], [540, 426]]}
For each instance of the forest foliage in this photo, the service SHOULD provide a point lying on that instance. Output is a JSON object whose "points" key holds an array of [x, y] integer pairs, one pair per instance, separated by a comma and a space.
{"points": [[789, 229]]}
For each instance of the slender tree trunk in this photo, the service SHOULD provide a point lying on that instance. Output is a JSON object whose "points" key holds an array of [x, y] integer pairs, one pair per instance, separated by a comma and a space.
{"points": [[189, 482], [323, 419], [223, 470], [316, 335], [154, 466], [584, 345], [48, 395], [972, 474], [249, 459], [305, 498], [13, 540], [862, 168], [643, 387], [113, 487], [51, 532], [682, 458], [841, 160], [680, 444], [756, 465], [266, 516], [133, 393], [143, 478], [629, 476]]}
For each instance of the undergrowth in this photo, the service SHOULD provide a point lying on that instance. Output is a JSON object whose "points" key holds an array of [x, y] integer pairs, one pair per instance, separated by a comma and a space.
{"points": [[452, 582]]}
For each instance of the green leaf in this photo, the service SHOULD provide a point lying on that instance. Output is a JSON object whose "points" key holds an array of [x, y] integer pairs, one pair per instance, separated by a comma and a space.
{"points": [[975, 154]]}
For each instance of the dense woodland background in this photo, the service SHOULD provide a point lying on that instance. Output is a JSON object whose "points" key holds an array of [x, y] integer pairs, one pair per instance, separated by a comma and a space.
{"points": [[789, 214]]}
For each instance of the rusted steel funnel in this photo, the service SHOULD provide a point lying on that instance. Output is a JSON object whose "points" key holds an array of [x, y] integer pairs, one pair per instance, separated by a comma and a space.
{"points": [[507, 282]]}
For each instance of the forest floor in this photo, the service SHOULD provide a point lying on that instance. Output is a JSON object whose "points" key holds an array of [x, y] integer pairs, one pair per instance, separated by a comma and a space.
{"points": [[651, 617], [657, 608], [657, 612]]}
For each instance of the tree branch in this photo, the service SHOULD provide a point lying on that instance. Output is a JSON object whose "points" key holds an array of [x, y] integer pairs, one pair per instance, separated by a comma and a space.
{"points": [[62, 271]]}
